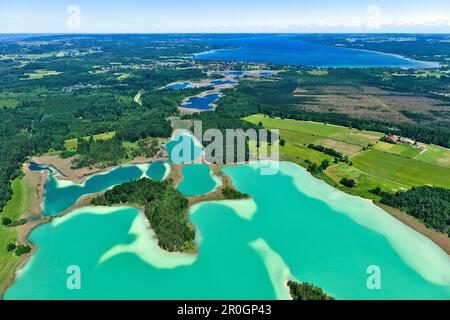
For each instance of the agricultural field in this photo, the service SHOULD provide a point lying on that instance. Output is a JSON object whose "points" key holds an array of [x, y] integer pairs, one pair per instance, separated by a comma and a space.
{"points": [[291, 152], [364, 181], [439, 73], [392, 167], [345, 140], [123, 76], [401, 170], [301, 154], [71, 144], [400, 149], [20, 200], [318, 72], [435, 155], [429, 153], [13, 99], [39, 74], [8, 260]]}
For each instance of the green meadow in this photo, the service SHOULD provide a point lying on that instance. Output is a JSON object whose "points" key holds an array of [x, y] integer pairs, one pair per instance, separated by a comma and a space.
{"points": [[365, 182], [20, 200], [345, 140], [401, 170], [39, 74], [71, 144], [323, 130], [301, 154], [404, 150], [435, 155], [392, 167], [430, 154], [18, 204]]}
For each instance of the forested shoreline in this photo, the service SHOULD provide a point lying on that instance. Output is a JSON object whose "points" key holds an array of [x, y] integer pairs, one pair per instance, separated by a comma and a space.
{"points": [[306, 291], [431, 205], [164, 206]]}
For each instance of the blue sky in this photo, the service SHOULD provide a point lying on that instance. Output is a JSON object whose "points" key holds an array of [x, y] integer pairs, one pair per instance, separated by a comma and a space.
{"points": [[134, 16]]}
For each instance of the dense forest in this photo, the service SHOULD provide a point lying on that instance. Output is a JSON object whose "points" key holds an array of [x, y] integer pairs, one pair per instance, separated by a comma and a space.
{"points": [[92, 93], [306, 291], [429, 204], [165, 207], [109, 152]]}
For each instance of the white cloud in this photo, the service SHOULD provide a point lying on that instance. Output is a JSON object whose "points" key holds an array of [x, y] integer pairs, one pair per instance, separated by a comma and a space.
{"points": [[374, 20]]}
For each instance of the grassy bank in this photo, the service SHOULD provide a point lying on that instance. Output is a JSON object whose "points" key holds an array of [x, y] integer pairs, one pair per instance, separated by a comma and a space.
{"points": [[372, 163], [15, 208]]}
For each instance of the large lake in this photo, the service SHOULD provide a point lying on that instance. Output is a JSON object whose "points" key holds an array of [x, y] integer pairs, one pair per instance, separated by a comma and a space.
{"points": [[282, 49], [295, 226]]}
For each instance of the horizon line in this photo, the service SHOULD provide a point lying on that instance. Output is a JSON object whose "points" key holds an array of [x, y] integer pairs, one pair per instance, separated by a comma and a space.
{"points": [[219, 32]]}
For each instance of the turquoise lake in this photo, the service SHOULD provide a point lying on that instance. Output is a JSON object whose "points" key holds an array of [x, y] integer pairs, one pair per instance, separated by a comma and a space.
{"points": [[197, 180], [293, 227], [183, 149], [62, 194]]}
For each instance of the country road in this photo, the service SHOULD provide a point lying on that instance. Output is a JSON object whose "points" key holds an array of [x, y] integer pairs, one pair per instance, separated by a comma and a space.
{"points": [[137, 97]]}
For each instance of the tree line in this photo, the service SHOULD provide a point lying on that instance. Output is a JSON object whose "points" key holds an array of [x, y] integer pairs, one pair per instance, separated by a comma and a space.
{"points": [[429, 204]]}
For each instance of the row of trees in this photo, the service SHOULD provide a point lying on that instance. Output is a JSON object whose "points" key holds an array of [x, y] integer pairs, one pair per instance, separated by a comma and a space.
{"points": [[326, 150], [316, 169]]}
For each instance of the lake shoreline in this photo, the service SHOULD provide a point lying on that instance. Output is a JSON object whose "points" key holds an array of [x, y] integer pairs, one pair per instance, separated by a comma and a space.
{"points": [[414, 64], [39, 179], [439, 238], [79, 176]]}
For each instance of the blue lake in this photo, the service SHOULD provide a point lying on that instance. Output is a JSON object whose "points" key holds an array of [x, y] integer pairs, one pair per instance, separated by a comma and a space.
{"points": [[202, 103], [282, 49], [178, 86], [222, 82], [232, 73]]}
